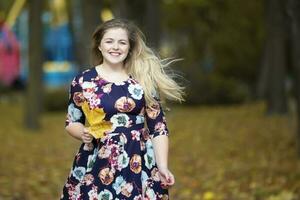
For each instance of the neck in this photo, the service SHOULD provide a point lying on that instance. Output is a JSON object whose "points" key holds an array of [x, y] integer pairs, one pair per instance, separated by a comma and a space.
{"points": [[113, 68]]}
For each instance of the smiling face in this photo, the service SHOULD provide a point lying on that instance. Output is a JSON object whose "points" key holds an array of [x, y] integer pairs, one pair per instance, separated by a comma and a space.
{"points": [[114, 46]]}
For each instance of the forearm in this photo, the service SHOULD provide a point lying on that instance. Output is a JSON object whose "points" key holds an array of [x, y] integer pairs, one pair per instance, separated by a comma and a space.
{"points": [[75, 130], [161, 148]]}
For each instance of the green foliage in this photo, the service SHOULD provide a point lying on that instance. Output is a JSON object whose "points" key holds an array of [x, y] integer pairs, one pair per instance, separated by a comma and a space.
{"points": [[216, 89], [216, 153], [229, 34]]}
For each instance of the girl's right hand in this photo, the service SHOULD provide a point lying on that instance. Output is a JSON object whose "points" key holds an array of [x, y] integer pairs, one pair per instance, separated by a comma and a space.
{"points": [[86, 137]]}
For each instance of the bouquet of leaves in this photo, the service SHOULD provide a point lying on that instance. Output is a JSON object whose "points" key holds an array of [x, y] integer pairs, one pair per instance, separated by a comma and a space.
{"points": [[95, 118]]}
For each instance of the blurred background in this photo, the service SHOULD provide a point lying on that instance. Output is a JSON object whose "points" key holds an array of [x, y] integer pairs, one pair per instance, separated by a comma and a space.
{"points": [[235, 137]]}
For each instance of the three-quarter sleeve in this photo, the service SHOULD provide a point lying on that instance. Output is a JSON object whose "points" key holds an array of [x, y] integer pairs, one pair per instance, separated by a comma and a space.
{"points": [[155, 119], [75, 113]]}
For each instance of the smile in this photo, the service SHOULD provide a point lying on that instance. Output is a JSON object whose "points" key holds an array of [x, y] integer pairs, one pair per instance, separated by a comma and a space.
{"points": [[114, 53]]}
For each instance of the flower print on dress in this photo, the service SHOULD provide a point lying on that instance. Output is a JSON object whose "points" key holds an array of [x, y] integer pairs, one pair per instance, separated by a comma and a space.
{"points": [[136, 91], [89, 89], [142, 145], [93, 193], [74, 191], [78, 98], [153, 110], [140, 119], [88, 179], [118, 184], [105, 195], [160, 128], [106, 176], [135, 135], [104, 152], [136, 163], [94, 101], [123, 160], [79, 173], [91, 160], [155, 174], [125, 104], [115, 151], [127, 189], [139, 197], [88, 147], [149, 156], [74, 114], [106, 88], [150, 194], [144, 178], [125, 152], [145, 134], [123, 139], [120, 120]]}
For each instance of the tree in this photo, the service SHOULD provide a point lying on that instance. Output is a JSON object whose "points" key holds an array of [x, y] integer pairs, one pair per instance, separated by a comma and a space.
{"points": [[153, 29], [34, 93], [91, 10], [275, 59], [293, 11]]}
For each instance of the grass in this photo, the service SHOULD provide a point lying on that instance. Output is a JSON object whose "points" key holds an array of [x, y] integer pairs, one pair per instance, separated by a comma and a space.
{"points": [[228, 153]]}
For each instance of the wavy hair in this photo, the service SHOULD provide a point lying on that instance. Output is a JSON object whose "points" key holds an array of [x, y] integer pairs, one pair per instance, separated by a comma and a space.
{"points": [[154, 74]]}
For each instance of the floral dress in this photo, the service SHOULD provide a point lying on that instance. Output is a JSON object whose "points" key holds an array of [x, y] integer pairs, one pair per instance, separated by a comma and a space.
{"points": [[120, 165]]}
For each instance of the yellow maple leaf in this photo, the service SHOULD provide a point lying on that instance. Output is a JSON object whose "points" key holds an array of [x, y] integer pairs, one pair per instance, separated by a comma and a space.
{"points": [[95, 118]]}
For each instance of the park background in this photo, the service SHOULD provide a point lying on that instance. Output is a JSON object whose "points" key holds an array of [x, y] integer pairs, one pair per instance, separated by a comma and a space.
{"points": [[235, 137]]}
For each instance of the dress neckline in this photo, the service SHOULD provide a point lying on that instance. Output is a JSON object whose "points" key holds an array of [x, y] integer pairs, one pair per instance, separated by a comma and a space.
{"points": [[107, 81]]}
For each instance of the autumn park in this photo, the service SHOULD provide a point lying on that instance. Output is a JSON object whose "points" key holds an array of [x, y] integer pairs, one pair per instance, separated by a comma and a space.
{"points": [[235, 137]]}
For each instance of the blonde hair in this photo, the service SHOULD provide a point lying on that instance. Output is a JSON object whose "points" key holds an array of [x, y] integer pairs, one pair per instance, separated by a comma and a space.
{"points": [[153, 73]]}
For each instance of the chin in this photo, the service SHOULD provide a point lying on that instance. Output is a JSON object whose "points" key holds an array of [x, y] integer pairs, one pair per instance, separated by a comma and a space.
{"points": [[115, 61]]}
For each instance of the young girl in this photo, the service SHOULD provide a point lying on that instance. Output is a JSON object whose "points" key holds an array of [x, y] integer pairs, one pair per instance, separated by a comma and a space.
{"points": [[124, 154]]}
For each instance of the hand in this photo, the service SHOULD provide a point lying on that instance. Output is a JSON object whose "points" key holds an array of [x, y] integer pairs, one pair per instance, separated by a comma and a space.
{"points": [[166, 177], [86, 137]]}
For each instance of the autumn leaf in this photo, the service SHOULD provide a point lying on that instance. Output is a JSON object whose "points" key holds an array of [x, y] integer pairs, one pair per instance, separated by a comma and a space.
{"points": [[95, 118]]}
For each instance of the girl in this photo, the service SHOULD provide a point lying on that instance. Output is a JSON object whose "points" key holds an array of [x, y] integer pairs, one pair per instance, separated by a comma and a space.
{"points": [[124, 154]]}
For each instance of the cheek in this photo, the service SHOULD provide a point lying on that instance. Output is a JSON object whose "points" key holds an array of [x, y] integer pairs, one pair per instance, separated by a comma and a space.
{"points": [[104, 46], [125, 49]]}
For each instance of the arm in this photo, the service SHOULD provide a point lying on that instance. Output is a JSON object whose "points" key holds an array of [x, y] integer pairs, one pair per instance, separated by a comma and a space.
{"points": [[75, 121], [159, 133], [161, 148]]}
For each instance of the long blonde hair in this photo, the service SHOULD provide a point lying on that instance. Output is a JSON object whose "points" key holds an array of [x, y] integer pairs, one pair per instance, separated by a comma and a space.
{"points": [[153, 73]]}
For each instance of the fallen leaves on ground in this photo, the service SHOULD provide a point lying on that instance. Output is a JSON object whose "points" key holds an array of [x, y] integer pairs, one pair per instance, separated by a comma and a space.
{"points": [[216, 153]]}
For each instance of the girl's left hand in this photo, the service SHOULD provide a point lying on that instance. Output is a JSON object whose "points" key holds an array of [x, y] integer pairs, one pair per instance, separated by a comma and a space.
{"points": [[166, 177]]}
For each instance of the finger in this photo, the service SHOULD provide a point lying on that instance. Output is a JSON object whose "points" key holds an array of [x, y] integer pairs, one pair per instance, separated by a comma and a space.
{"points": [[164, 179], [85, 130], [171, 180]]}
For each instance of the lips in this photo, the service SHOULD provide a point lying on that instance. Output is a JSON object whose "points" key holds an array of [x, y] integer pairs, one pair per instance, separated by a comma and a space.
{"points": [[114, 53]]}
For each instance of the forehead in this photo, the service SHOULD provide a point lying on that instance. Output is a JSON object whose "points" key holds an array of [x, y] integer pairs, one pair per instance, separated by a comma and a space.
{"points": [[116, 33]]}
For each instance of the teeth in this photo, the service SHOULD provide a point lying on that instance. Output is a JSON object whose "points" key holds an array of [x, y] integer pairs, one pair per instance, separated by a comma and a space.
{"points": [[115, 54]]}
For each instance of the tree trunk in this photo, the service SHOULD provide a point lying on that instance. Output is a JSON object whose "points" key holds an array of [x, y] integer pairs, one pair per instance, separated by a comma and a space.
{"points": [[153, 28], [293, 10], [75, 20], [121, 9], [34, 93], [276, 57], [91, 10], [262, 83]]}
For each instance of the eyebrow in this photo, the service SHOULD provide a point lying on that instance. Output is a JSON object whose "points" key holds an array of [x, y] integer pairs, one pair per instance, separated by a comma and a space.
{"points": [[113, 39]]}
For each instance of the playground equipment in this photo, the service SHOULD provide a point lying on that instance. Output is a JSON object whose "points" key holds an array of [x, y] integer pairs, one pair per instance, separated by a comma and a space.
{"points": [[58, 68]]}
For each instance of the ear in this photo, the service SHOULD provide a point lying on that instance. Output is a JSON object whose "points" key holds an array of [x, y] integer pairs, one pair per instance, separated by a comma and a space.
{"points": [[99, 49]]}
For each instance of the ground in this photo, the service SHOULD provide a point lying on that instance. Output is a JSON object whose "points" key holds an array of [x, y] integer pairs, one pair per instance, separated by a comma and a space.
{"points": [[230, 153]]}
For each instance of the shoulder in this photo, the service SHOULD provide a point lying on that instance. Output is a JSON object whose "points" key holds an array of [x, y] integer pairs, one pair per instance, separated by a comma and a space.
{"points": [[85, 75]]}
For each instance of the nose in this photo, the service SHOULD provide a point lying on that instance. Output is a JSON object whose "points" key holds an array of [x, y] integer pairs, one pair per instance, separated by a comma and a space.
{"points": [[115, 45]]}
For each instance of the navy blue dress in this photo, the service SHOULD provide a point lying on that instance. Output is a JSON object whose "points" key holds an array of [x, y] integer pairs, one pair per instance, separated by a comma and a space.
{"points": [[120, 165]]}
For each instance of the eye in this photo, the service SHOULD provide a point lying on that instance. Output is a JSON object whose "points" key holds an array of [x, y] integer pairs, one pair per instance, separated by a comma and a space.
{"points": [[108, 41]]}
